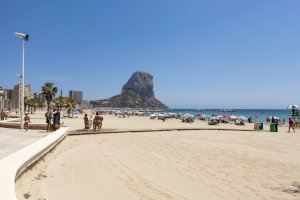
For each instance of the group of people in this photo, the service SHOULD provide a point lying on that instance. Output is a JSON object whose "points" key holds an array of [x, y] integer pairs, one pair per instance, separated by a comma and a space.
{"points": [[97, 122], [52, 120], [3, 115], [291, 122]]}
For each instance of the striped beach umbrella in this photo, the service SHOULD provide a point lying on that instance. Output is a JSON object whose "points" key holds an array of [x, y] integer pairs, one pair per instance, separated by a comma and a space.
{"points": [[290, 107]]}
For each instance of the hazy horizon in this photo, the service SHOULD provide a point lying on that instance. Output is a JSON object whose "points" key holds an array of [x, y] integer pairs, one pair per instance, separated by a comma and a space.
{"points": [[202, 54]]}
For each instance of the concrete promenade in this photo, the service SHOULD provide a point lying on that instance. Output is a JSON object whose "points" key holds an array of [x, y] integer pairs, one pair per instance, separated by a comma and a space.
{"points": [[12, 140], [21, 151]]}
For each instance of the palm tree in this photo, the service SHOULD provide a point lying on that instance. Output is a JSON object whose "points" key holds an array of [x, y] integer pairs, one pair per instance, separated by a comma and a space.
{"points": [[26, 104], [30, 105], [70, 104], [49, 92], [35, 105], [60, 102], [40, 104]]}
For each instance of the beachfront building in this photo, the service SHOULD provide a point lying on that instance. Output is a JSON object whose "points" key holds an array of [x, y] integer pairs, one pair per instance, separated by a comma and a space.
{"points": [[40, 98], [5, 99], [16, 93], [2, 98], [76, 95]]}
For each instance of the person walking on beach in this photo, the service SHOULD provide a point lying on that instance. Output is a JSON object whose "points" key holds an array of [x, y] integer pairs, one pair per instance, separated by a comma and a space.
{"points": [[97, 122], [49, 117], [26, 121], [291, 124], [86, 122]]}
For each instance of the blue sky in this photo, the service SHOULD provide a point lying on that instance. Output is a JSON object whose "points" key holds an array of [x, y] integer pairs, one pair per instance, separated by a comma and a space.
{"points": [[203, 54]]}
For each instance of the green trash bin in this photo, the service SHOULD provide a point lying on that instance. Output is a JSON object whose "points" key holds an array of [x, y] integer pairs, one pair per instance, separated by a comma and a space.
{"points": [[273, 127], [261, 126]]}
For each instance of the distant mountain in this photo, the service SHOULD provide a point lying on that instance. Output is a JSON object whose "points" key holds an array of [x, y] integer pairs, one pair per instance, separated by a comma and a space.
{"points": [[136, 93]]}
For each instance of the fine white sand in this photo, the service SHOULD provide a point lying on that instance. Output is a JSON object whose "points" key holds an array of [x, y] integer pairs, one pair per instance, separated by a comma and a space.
{"points": [[168, 165]]}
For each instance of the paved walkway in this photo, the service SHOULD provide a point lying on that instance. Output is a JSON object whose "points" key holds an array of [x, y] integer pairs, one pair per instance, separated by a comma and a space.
{"points": [[12, 140]]}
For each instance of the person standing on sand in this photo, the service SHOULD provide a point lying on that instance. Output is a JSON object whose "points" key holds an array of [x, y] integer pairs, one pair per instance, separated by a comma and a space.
{"points": [[58, 117], [94, 124], [1, 115], [26, 121], [101, 120], [86, 122], [97, 122], [291, 124], [49, 117], [6, 115], [55, 120]]}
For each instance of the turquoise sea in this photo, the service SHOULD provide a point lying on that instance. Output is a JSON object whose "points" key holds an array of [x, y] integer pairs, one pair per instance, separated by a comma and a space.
{"points": [[259, 115]]}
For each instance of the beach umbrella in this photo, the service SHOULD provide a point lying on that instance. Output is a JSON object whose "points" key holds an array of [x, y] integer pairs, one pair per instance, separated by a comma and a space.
{"points": [[191, 116], [214, 118], [200, 114], [153, 116], [219, 116], [186, 116], [275, 117], [242, 118], [160, 116], [203, 117], [208, 116], [233, 117], [226, 116], [290, 107]]}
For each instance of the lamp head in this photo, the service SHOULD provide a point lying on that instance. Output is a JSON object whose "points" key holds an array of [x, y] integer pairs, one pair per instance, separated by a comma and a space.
{"points": [[22, 36]]}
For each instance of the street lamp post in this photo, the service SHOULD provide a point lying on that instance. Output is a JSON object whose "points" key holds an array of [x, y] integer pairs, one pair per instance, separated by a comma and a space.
{"points": [[19, 94], [24, 38]]}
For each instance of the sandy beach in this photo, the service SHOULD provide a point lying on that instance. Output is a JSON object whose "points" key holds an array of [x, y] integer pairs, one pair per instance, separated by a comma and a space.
{"points": [[112, 122], [167, 165], [150, 100]]}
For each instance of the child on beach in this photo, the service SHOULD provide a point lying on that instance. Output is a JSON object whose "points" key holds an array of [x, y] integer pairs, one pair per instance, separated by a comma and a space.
{"points": [[27, 121]]}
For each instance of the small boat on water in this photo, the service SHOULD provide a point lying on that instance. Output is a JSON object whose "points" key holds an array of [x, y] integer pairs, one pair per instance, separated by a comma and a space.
{"points": [[226, 110]]}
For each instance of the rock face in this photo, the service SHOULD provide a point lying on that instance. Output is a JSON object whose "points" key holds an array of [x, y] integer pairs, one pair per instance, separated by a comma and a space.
{"points": [[136, 93], [141, 83]]}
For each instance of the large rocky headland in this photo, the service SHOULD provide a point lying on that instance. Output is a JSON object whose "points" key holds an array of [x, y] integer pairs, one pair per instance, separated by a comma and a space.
{"points": [[137, 93]]}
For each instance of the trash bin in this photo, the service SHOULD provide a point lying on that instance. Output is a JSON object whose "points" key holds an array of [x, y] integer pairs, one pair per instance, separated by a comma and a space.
{"points": [[256, 126], [261, 126], [273, 127]]}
